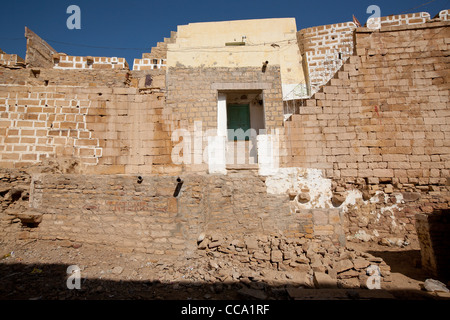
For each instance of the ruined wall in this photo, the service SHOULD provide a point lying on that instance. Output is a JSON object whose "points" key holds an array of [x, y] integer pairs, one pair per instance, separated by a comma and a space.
{"points": [[192, 92], [39, 53], [381, 125], [144, 216], [433, 232], [104, 122]]}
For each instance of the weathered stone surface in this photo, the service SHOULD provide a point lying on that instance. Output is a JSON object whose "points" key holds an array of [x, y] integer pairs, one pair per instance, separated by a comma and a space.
{"points": [[276, 256], [343, 265], [303, 197], [348, 274], [323, 280], [299, 278], [117, 270], [337, 199], [204, 244], [411, 196], [349, 283], [302, 259], [251, 244], [261, 255], [30, 217]]}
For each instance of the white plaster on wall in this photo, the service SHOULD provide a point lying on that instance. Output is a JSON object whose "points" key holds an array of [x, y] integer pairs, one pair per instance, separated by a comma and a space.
{"points": [[296, 179], [351, 199]]}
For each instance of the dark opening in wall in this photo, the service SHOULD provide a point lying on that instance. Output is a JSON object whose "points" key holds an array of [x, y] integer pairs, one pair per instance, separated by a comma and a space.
{"points": [[439, 223], [433, 231]]}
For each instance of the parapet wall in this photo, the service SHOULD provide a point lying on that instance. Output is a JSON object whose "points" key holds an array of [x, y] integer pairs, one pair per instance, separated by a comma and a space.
{"points": [[11, 60], [149, 64], [326, 48]]}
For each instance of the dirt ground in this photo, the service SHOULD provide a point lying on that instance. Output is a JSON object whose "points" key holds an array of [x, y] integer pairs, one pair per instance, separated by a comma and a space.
{"points": [[38, 270]]}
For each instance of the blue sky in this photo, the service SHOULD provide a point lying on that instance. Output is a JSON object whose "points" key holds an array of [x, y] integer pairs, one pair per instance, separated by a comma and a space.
{"points": [[126, 28]]}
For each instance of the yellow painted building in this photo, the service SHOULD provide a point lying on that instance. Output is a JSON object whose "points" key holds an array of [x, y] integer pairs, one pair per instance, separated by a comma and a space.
{"points": [[242, 43]]}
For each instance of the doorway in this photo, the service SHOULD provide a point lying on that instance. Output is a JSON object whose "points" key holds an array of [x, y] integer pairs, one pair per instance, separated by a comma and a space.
{"points": [[238, 122]]}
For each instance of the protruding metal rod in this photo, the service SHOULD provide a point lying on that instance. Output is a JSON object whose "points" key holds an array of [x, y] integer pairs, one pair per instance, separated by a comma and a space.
{"points": [[178, 188]]}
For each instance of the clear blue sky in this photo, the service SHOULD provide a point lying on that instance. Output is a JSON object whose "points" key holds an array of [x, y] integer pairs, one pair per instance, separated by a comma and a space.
{"points": [[141, 24]]}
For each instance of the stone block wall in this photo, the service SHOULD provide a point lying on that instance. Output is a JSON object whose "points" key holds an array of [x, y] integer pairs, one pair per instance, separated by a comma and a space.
{"points": [[118, 128], [149, 64], [381, 126], [77, 78], [326, 48], [192, 99], [399, 20], [384, 114], [192, 92], [144, 216], [36, 125]]}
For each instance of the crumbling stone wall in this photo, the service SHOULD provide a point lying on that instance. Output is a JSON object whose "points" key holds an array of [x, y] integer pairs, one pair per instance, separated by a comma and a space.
{"points": [[380, 126], [433, 232], [145, 216], [14, 199], [104, 122]]}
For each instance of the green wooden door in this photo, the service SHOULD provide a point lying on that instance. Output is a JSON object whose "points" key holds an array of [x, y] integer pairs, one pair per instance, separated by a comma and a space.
{"points": [[238, 117]]}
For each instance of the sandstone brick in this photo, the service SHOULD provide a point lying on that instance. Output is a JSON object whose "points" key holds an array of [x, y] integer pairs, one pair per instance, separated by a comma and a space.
{"points": [[383, 173]]}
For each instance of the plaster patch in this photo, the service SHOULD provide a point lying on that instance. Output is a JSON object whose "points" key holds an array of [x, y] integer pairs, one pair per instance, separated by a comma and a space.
{"points": [[296, 179], [351, 198]]}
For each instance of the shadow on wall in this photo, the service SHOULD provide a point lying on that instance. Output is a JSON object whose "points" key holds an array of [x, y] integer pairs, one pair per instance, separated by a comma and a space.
{"points": [[406, 262], [49, 282]]}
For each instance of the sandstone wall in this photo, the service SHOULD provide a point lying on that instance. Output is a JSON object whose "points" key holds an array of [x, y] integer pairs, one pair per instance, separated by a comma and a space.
{"points": [[11, 60], [145, 216], [77, 62], [104, 122], [326, 48], [192, 92]]}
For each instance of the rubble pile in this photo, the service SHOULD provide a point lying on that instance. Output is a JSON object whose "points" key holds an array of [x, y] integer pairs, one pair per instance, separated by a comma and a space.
{"points": [[276, 261]]}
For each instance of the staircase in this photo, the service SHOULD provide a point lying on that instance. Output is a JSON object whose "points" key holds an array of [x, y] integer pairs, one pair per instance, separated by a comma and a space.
{"points": [[156, 58]]}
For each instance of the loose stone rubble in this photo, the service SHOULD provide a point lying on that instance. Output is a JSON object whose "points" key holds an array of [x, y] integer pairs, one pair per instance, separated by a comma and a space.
{"points": [[277, 261]]}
